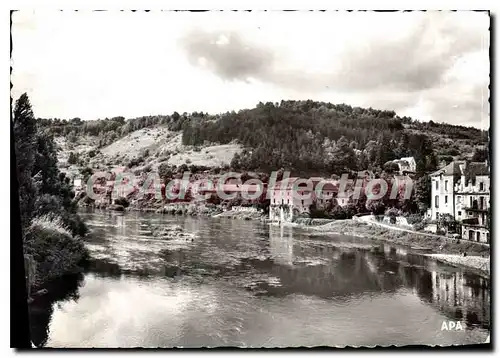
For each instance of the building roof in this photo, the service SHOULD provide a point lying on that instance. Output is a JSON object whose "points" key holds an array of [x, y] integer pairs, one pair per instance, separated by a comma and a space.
{"points": [[408, 159], [329, 184], [471, 169], [476, 168], [451, 169]]}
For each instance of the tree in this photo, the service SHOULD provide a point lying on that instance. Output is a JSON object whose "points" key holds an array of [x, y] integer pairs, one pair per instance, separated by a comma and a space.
{"points": [[391, 167], [385, 151], [447, 222], [423, 192], [72, 158], [343, 157], [175, 116], [480, 155], [25, 148], [48, 213], [376, 207]]}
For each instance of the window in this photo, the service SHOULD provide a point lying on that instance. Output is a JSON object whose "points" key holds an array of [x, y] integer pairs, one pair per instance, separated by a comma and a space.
{"points": [[481, 186], [446, 185], [436, 201], [459, 199], [446, 199], [478, 236], [471, 235], [437, 185], [459, 213]]}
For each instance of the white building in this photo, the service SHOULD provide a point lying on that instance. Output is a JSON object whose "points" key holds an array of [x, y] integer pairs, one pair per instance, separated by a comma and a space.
{"points": [[77, 183], [462, 190], [442, 189], [285, 205], [472, 196], [406, 165]]}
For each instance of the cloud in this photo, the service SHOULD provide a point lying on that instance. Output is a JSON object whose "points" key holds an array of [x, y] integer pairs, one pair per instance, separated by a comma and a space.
{"points": [[428, 65], [414, 65], [227, 54]]}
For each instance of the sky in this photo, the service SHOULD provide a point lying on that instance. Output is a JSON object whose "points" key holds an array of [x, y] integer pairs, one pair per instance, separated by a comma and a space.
{"points": [[426, 65]]}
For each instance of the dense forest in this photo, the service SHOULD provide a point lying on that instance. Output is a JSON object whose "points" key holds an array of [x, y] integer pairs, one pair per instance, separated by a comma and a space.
{"points": [[317, 136], [52, 230], [304, 136]]}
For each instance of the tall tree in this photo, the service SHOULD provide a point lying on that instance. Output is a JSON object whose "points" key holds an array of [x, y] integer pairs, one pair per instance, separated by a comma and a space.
{"points": [[25, 146]]}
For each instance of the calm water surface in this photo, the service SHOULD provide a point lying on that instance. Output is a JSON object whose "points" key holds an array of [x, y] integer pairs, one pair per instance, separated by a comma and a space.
{"points": [[247, 284]]}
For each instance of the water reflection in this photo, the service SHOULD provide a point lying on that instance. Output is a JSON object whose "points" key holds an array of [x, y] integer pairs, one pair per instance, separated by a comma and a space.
{"points": [[40, 312], [249, 276]]}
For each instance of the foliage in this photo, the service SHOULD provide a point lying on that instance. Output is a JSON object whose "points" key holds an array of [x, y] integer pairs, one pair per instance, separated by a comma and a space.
{"points": [[48, 212], [422, 190], [25, 149], [122, 201], [54, 248], [447, 222], [73, 158], [391, 167], [480, 155], [376, 207], [414, 219]]}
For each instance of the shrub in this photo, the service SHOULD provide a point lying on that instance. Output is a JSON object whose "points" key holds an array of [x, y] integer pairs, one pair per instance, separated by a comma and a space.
{"points": [[54, 250], [73, 158], [414, 219], [338, 213], [392, 212], [122, 201]]}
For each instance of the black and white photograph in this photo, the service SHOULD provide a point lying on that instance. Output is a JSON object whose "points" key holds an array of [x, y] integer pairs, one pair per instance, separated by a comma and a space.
{"points": [[252, 179]]}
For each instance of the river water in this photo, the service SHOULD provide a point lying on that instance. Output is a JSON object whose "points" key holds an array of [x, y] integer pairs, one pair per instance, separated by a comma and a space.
{"points": [[248, 284]]}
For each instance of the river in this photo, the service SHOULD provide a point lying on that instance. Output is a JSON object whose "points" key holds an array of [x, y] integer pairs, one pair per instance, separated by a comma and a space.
{"points": [[248, 284]]}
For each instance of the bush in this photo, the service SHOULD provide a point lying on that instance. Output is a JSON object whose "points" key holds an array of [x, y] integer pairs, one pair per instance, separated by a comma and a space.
{"points": [[338, 213], [414, 219], [122, 201], [87, 200], [392, 212], [73, 158], [54, 250]]}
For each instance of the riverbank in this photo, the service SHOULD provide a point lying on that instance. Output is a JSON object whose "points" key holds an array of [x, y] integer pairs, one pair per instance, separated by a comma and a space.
{"points": [[481, 264], [188, 209], [441, 248]]}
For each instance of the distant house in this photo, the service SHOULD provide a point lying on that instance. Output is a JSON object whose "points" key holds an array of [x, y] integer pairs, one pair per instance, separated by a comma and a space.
{"points": [[77, 183], [406, 165], [285, 204], [253, 193]]}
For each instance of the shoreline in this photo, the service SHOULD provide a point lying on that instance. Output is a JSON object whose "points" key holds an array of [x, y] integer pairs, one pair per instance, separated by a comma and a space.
{"points": [[441, 249]]}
